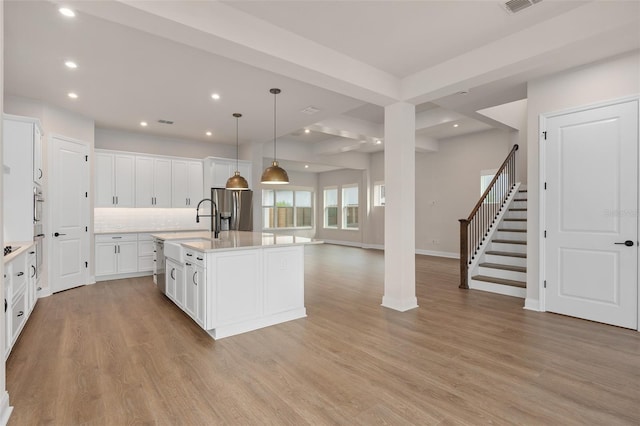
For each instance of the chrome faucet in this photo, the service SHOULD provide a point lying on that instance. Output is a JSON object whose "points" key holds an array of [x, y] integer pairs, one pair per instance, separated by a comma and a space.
{"points": [[215, 217]]}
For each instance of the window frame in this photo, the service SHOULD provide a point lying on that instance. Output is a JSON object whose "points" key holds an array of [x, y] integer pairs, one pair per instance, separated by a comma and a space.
{"points": [[325, 207], [344, 207], [294, 206]]}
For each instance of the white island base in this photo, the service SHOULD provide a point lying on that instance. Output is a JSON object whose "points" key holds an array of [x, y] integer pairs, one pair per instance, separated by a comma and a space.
{"points": [[240, 282]]}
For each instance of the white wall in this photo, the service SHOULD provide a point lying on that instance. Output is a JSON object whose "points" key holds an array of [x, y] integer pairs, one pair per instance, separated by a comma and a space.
{"points": [[121, 140], [614, 78], [339, 178], [374, 228], [448, 186]]}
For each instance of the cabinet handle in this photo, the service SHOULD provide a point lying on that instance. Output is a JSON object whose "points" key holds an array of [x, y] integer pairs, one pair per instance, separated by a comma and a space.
{"points": [[172, 271], [115, 249], [21, 313], [117, 201], [115, 238], [41, 174], [187, 264], [34, 271], [118, 249], [113, 199], [20, 274], [32, 252], [189, 254], [199, 258], [194, 278]]}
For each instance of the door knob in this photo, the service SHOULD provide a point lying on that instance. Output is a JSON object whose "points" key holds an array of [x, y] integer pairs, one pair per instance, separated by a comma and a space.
{"points": [[627, 243], [57, 234]]}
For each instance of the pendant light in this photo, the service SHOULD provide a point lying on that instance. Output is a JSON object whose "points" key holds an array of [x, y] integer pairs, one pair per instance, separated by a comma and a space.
{"points": [[237, 182], [274, 174]]}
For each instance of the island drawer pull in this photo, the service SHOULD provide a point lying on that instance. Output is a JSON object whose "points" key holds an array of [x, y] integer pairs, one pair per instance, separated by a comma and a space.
{"points": [[194, 277], [189, 254]]}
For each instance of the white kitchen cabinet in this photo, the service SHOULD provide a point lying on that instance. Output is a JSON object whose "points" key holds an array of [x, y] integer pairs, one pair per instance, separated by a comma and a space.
{"points": [[31, 278], [194, 275], [116, 254], [38, 171], [175, 282], [19, 136], [218, 170], [153, 182], [114, 180], [187, 183]]}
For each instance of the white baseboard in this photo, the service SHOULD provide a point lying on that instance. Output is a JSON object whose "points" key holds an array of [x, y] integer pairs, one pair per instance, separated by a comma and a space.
{"points": [[344, 243], [256, 324], [44, 292], [373, 246], [438, 253], [120, 276], [532, 304], [5, 408], [400, 305]]}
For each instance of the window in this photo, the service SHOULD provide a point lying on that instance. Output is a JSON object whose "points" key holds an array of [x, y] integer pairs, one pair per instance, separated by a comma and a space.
{"points": [[350, 207], [287, 209], [331, 207], [378, 194], [495, 196]]}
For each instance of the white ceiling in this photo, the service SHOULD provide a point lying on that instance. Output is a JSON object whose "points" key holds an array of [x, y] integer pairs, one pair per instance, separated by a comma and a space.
{"points": [[156, 60]]}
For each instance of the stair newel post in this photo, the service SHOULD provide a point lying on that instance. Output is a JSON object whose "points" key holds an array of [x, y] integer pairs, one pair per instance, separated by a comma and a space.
{"points": [[464, 254]]}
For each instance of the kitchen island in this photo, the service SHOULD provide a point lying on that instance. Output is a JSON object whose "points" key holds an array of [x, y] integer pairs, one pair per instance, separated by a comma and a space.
{"points": [[239, 282]]}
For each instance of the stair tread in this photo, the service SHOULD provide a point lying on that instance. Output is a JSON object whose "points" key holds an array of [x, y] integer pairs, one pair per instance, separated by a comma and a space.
{"points": [[511, 230], [506, 253], [503, 267], [515, 219], [517, 210], [522, 190], [519, 199], [502, 281], [524, 243]]}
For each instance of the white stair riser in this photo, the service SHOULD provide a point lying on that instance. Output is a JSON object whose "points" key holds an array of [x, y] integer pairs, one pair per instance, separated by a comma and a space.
{"points": [[516, 214], [501, 273], [519, 204], [498, 288], [513, 236], [505, 260], [512, 248], [507, 224]]}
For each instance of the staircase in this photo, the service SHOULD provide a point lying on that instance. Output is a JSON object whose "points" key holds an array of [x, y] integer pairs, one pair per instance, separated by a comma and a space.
{"points": [[502, 265]]}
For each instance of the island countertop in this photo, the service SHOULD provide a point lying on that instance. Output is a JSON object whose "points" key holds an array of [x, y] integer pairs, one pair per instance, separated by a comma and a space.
{"points": [[234, 240]]}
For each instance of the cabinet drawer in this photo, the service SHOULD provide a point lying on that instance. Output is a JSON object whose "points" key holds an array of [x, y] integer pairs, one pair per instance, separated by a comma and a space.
{"points": [[195, 257], [111, 238], [19, 315], [145, 263], [145, 248], [145, 237]]}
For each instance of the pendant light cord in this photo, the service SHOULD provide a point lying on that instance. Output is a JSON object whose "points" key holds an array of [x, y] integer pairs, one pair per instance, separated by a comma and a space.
{"points": [[274, 126], [237, 151]]}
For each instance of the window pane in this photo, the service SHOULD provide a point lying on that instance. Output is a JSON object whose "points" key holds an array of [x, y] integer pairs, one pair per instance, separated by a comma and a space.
{"points": [[303, 216], [350, 196], [331, 217], [285, 217], [351, 217], [268, 217], [284, 198], [303, 198], [378, 194], [331, 197], [267, 197]]}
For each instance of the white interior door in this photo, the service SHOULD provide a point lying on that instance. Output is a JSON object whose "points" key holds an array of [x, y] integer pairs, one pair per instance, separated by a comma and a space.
{"points": [[591, 206], [69, 214]]}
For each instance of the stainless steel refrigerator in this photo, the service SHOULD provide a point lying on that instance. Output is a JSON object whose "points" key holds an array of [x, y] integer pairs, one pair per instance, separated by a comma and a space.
{"points": [[235, 207]]}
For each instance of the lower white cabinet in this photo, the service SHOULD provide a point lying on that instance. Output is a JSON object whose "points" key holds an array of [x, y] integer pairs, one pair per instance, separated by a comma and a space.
{"points": [[20, 295], [175, 282], [146, 249], [116, 254], [195, 283]]}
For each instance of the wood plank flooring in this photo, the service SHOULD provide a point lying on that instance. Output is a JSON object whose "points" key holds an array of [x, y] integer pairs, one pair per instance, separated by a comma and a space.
{"points": [[118, 352]]}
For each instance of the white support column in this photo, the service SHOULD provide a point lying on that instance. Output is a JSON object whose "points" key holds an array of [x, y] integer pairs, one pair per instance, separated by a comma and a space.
{"points": [[399, 216]]}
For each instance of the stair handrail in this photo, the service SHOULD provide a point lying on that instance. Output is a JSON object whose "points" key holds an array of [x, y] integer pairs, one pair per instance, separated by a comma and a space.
{"points": [[476, 226]]}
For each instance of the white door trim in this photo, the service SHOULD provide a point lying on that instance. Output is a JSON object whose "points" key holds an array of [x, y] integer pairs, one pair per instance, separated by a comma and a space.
{"points": [[48, 225], [542, 124]]}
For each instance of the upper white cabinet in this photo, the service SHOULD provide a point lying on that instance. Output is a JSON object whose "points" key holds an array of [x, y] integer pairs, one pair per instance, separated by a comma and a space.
{"points": [[115, 180], [38, 173], [20, 136], [153, 182], [218, 170], [187, 183]]}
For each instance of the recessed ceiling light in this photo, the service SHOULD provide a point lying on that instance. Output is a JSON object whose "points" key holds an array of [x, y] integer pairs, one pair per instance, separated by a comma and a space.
{"points": [[307, 131], [67, 12], [143, 123], [72, 95], [208, 133], [71, 64], [378, 142], [215, 96], [306, 166], [456, 125]]}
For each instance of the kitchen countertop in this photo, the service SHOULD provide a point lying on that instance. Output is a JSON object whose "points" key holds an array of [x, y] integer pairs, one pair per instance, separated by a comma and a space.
{"points": [[234, 240], [24, 246]]}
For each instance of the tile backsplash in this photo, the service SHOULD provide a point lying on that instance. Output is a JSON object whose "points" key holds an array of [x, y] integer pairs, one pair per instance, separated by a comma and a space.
{"points": [[139, 220]]}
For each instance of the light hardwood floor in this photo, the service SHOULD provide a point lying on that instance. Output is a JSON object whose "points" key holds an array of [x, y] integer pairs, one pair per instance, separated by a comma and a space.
{"points": [[119, 352]]}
